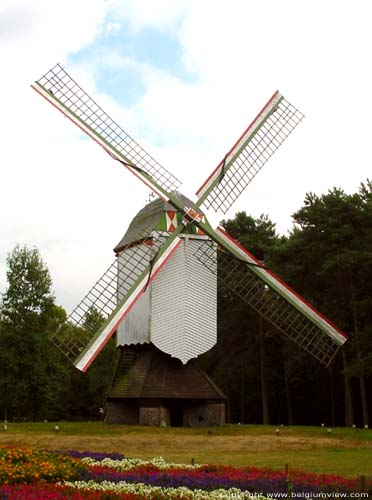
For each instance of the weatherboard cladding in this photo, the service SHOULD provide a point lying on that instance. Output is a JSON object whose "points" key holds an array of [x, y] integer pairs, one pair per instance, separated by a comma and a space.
{"points": [[152, 374], [135, 328], [184, 304], [178, 311]]}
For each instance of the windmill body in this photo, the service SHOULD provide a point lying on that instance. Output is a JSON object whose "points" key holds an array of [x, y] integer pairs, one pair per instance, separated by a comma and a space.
{"points": [[178, 310], [159, 295], [175, 317]]}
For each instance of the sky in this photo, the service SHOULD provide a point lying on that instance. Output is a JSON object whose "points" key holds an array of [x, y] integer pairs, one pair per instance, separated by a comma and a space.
{"points": [[184, 78]]}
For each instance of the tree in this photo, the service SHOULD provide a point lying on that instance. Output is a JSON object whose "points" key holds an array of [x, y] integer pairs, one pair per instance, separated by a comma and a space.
{"points": [[257, 235], [30, 369], [86, 391], [100, 372], [29, 287], [328, 259]]}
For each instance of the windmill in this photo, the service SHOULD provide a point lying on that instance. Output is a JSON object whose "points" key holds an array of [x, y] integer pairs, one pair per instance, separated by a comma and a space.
{"points": [[159, 295]]}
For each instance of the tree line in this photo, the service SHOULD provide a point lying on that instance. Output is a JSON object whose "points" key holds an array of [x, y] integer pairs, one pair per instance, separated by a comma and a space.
{"points": [[326, 257]]}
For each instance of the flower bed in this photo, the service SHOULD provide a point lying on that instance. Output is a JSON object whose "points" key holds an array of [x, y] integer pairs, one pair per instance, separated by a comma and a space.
{"points": [[53, 492], [33, 475], [208, 478], [21, 465]]}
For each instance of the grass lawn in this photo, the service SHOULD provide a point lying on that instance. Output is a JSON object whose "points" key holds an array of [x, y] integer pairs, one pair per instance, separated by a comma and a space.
{"points": [[347, 452]]}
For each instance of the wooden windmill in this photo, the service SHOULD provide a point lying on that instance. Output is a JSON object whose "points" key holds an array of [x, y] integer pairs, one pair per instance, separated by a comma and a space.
{"points": [[159, 295]]}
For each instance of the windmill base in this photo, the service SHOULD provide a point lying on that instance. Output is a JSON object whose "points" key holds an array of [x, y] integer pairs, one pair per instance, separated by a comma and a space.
{"points": [[176, 413], [150, 387]]}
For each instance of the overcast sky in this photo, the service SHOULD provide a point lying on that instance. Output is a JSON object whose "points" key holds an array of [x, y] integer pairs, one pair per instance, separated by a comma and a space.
{"points": [[185, 78]]}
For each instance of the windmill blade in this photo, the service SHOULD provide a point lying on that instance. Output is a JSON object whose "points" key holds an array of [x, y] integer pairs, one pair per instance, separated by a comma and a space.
{"points": [[241, 272], [112, 297], [262, 138], [66, 95]]}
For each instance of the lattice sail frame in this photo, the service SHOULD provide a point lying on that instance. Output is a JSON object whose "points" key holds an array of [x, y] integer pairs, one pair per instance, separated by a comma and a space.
{"points": [[112, 287], [273, 299], [238, 277], [246, 158], [106, 293], [62, 91]]}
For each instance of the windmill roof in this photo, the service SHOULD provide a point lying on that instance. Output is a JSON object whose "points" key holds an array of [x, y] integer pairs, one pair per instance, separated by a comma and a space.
{"points": [[150, 373], [147, 219]]}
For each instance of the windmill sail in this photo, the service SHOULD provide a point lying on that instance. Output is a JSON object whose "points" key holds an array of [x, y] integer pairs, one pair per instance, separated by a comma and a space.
{"points": [[66, 95], [246, 158], [273, 299], [114, 295]]}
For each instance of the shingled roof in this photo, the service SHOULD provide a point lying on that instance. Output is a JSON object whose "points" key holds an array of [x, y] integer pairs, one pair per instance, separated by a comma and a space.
{"points": [[150, 373], [147, 219]]}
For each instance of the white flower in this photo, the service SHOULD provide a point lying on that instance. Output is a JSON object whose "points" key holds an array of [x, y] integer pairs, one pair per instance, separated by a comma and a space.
{"points": [[130, 463], [167, 493]]}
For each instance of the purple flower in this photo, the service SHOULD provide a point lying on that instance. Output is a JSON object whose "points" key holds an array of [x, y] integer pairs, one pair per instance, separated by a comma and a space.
{"points": [[96, 455]]}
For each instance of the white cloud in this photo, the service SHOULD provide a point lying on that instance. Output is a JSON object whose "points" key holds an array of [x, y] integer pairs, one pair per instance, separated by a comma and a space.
{"points": [[162, 14], [39, 192], [316, 54]]}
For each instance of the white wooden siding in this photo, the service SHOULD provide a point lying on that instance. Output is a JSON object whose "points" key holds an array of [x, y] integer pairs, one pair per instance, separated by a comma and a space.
{"points": [[184, 305], [135, 328]]}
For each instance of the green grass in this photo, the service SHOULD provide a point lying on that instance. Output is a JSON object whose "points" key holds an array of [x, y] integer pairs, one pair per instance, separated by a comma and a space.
{"points": [[347, 463], [344, 451], [102, 429]]}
